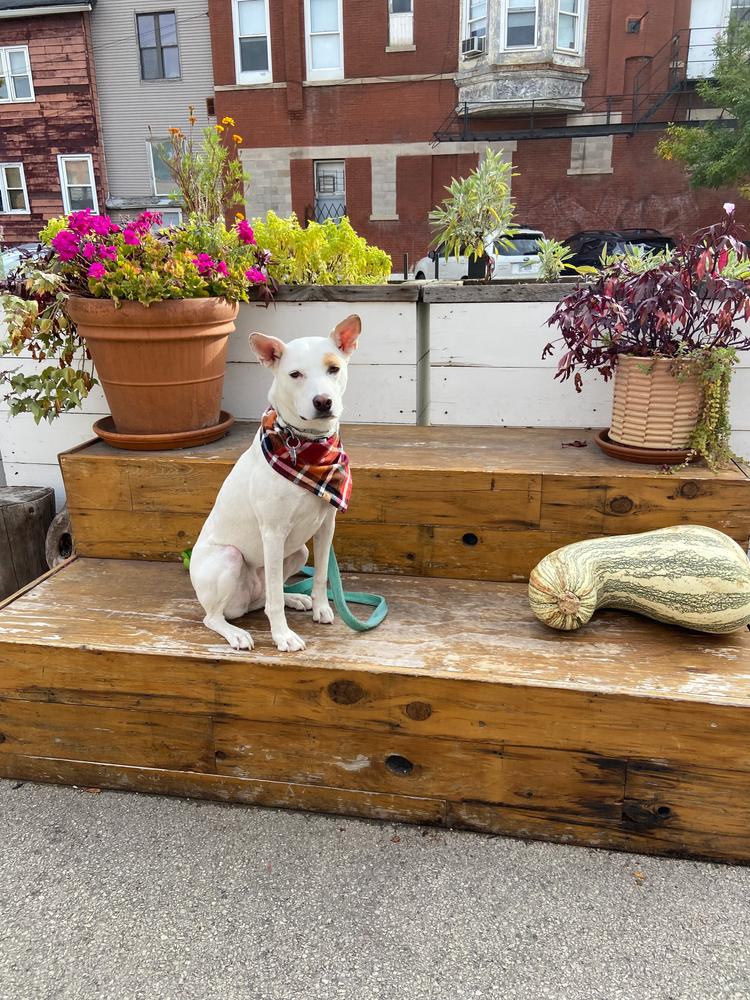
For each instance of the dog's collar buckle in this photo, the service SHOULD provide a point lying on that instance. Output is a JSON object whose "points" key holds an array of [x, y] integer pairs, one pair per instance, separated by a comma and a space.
{"points": [[292, 442]]}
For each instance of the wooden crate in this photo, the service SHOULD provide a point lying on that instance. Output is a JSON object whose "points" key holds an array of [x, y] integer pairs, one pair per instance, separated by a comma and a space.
{"points": [[472, 503], [460, 710]]}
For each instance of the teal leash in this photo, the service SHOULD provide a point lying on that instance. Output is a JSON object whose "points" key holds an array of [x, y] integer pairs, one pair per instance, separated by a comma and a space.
{"points": [[342, 598], [336, 593]]}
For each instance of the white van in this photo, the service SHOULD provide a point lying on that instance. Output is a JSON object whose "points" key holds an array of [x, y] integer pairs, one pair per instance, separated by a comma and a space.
{"points": [[515, 258]]}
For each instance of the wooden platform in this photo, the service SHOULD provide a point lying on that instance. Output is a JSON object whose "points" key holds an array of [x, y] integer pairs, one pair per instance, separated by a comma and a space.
{"points": [[473, 503], [460, 710]]}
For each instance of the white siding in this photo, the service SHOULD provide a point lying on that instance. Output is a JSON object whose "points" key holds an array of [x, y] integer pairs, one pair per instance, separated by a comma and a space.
{"points": [[128, 104]]}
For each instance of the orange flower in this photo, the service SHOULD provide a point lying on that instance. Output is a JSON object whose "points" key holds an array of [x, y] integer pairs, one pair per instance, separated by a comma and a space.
{"points": [[175, 131], [239, 216], [192, 119], [237, 138], [228, 121]]}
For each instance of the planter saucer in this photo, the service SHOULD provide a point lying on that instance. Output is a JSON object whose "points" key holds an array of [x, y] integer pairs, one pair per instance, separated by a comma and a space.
{"points": [[643, 456], [105, 429]]}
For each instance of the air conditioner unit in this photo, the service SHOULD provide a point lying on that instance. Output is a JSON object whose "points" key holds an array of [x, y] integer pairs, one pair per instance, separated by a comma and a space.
{"points": [[473, 46]]}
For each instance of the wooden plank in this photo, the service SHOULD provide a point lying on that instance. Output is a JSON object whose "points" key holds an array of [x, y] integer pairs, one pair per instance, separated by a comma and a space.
{"points": [[495, 292], [107, 735], [454, 660], [124, 535], [548, 781], [399, 292], [222, 788], [8, 578]]}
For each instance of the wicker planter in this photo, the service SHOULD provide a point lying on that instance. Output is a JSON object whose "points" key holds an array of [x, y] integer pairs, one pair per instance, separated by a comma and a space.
{"points": [[651, 408], [161, 366]]}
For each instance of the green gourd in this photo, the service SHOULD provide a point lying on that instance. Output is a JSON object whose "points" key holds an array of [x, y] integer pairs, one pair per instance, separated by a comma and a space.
{"points": [[688, 575]]}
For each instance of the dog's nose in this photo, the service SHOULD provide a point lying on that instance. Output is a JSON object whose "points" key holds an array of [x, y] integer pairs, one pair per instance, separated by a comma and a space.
{"points": [[322, 404]]}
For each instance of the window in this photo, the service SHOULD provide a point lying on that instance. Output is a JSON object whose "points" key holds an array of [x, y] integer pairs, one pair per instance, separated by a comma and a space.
{"points": [[252, 49], [170, 217], [77, 183], [400, 23], [740, 10], [330, 190], [15, 75], [157, 41], [160, 152], [569, 25], [14, 199], [476, 18], [521, 24], [325, 57]]}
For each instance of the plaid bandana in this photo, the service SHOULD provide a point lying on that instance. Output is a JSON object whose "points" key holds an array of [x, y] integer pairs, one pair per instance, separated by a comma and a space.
{"points": [[320, 466]]}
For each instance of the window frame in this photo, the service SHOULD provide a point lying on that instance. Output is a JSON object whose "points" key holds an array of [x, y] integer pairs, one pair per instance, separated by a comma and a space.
{"points": [[150, 143], [7, 210], [5, 71], [316, 165], [250, 76], [405, 18], [159, 47], [468, 21], [336, 73], [521, 48], [61, 160], [579, 29]]}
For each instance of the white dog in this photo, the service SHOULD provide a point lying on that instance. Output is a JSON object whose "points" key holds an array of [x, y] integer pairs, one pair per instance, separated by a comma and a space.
{"points": [[284, 490]]}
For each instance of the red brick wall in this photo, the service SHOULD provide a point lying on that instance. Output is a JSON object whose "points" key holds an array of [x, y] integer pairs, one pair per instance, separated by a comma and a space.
{"points": [[63, 119]]}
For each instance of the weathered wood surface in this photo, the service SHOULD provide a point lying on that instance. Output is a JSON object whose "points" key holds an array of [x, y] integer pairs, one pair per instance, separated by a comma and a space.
{"points": [[26, 513], [478, 503], [460, 709]]}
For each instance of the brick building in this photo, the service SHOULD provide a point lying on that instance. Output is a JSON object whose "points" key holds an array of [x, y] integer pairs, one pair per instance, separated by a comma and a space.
{"points": [[340, 101], [50, 144]]}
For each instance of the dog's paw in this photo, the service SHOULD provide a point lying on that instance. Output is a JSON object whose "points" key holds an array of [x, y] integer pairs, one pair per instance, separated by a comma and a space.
{"points": [[288, 642], [298, 602], [238, 638], [323, 614]]}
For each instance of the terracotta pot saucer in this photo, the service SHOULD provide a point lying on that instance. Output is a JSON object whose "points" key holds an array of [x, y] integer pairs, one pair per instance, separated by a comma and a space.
{"points": [[105, 428], [644, 456]]}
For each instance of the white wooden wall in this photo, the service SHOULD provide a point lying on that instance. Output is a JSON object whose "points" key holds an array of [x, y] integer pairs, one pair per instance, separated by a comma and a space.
{"points": [[486, 368]]}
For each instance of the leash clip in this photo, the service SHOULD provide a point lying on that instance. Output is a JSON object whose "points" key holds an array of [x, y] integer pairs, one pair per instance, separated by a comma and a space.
{"points": [[292, 443]]}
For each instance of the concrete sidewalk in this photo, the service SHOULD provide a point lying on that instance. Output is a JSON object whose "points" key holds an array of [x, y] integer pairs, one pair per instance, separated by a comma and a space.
{"points": [[127, 897]]}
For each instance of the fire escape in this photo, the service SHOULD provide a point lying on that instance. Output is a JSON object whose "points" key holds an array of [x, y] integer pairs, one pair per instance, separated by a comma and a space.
{"points": [[664, 91]]}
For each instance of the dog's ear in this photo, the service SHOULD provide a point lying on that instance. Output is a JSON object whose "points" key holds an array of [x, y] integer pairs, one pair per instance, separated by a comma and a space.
{"points": [[346, 333], [267, 350]]}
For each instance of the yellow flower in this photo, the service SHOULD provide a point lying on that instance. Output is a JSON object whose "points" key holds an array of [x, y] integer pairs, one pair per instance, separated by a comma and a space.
{"points": [[237, 138], [219, 128], [228, 121], [239, 216]]}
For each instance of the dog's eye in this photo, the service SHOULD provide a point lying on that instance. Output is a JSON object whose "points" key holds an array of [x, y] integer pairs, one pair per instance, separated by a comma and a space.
{"points": [[333, 370], [295, 374]]}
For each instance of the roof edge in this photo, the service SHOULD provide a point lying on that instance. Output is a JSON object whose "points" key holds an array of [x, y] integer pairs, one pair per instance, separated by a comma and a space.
{"points": [[68, 8]]}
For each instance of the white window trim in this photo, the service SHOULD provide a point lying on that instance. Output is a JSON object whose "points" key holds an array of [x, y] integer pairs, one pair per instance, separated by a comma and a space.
{"points": [[521, 48], [579, 28], [61, 159], [467, 22], [324, 74], [4, 190], [5, 71], [250, 76], [150, 143]]}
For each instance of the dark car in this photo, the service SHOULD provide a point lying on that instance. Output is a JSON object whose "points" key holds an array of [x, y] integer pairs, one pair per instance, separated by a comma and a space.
{"points": [[589, 244]]}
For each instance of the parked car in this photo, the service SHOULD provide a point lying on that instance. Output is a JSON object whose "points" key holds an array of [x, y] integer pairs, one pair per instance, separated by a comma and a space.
{"points": [[515, 256], [11, 256], [589, 244]]}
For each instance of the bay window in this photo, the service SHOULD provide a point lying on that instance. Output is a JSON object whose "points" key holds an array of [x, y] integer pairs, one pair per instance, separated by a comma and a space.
{"points": [[520, 27], [569, 25]]}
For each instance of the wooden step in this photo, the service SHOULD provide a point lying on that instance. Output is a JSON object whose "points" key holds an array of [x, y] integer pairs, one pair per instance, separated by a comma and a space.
{"points": [[481, 503], [460, 710]]}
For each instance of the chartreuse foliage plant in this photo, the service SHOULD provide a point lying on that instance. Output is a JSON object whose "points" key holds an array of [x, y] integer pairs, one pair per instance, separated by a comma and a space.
{"points": [[689, 306], [327, 253], [554, 261], [90, 255]]}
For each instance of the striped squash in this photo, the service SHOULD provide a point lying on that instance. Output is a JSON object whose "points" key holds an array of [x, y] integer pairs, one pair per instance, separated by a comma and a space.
{"points": [[688, 575]]}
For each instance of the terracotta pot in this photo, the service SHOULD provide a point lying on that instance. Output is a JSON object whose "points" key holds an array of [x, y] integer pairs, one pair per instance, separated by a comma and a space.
{"points": [[161, 366], [651, 408]]}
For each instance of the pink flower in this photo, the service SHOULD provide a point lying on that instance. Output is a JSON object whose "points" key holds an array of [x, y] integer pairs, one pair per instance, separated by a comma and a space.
{"points": [[204, 263], [256, 276], [145, 221], [245, 232], [729, 207], [102, 225], [66, 244], [89, 250], [221, 268], [131, 237], [96, 270], [108, 253], [80, 222]]}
